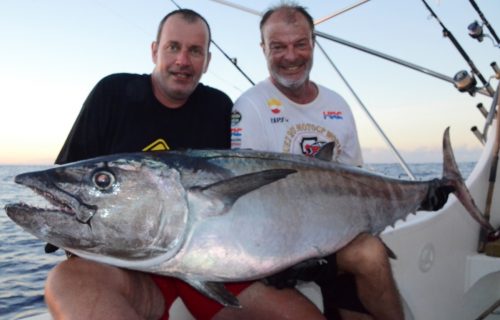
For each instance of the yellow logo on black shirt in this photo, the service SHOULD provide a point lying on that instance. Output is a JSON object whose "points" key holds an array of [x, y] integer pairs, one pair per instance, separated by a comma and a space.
{"points": [[158, 145]]}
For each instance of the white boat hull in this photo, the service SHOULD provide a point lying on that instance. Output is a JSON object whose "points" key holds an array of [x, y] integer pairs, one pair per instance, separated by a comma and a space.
{"points": [[439, 272]]}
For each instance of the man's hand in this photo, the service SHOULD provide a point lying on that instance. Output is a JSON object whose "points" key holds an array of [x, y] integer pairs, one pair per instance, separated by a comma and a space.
{"points": [[308, 270]]}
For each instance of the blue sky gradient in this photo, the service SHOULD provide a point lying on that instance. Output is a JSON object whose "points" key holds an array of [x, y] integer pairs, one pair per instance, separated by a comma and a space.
{"points": [[53, 53]]}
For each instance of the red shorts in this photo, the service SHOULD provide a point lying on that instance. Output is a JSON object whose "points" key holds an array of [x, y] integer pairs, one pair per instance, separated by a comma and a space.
{"points": [[169, 291], [200, 306]]}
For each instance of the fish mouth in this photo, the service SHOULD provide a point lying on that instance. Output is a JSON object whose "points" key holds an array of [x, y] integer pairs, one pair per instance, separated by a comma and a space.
{"points": [[62, 201], [58, 205]]}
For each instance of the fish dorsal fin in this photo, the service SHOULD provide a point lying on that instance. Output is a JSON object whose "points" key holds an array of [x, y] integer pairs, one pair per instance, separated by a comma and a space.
{"points": [[326, 152], [219, 197], [216, 291]]}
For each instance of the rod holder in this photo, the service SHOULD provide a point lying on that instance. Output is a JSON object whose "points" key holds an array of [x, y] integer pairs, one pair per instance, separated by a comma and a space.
{"points": [[478, 135], [496, 69], [482, 109]]}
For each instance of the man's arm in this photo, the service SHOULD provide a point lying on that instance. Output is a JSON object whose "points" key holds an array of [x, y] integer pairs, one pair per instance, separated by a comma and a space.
{"points": [[247, 127]]}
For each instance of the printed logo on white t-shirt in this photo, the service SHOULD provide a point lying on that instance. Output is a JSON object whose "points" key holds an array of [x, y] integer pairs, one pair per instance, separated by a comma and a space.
{"points": [[275, 105], [307, 139]]}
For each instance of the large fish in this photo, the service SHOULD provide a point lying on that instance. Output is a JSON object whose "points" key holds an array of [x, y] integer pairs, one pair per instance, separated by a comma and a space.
{"points": [[209, 217]]}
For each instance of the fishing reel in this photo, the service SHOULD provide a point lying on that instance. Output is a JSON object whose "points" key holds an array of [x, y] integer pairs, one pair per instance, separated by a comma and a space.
{"points": [[476, 31], [465, 82]]}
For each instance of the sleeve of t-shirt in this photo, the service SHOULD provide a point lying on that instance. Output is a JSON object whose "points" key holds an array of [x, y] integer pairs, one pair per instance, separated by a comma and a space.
{"points": [[352, 150], [85, 139], [247, 127], [354, 156]]}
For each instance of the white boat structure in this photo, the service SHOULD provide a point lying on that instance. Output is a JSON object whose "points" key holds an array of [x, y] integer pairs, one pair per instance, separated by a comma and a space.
{"points": [[438, 270]]}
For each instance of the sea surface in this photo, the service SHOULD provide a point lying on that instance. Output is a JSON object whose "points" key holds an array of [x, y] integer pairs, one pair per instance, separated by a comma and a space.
{"points": [[24, 265]]}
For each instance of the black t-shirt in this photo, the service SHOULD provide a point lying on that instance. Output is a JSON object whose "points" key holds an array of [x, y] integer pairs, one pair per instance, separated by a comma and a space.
{"points": [[121, 114]]}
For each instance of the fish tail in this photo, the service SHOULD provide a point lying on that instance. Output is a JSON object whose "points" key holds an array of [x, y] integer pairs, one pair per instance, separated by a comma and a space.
{"points": [[452, 180]]}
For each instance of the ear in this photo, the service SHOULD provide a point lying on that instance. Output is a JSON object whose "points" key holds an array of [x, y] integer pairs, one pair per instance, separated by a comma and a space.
{"points": [[154, 51], [209, 56]]}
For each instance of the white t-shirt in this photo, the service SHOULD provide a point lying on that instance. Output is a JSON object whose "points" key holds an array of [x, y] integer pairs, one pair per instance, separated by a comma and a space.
{"points": [[265, 119]]}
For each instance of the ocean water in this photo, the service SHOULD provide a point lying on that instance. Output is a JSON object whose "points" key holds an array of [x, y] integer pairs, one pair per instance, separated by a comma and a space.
{"points": [[24, 265]]}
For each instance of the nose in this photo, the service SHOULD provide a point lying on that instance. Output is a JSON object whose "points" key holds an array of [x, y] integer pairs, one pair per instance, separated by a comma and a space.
{"points": [[182, 58], [290, 54]]}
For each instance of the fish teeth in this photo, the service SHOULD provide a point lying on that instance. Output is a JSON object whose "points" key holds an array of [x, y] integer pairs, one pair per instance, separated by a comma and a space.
{"points": [[58, 204]]}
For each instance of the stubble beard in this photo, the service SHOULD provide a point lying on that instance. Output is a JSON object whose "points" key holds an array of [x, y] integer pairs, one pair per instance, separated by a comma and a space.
{"points": [[291, 84]]}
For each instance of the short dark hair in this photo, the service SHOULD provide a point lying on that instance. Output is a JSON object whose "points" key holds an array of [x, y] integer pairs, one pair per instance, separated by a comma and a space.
{"points": [[188, 15], [290, 8]]}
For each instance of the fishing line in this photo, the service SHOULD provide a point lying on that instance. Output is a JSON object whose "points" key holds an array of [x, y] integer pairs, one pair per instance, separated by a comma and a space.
{"points": [[461, 77], [232, 60]]}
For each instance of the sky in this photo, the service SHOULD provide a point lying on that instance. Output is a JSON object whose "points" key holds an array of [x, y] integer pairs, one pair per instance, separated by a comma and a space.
{"points": [[54, 52]]}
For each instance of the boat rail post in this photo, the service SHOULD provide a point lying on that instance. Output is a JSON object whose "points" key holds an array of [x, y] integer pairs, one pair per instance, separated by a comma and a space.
{"points": [[492, 113], [483, 234]]}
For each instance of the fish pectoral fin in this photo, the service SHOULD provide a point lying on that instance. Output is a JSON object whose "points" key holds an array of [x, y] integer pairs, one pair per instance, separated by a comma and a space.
{"points": [[229, 190], [216, 291]]}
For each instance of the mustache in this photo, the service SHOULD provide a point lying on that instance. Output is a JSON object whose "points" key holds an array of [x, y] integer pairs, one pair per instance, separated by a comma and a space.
{"points": [[177, 69]]}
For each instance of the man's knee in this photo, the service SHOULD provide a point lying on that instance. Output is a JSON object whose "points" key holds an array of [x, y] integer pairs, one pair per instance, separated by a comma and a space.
{"points": [[73, 276], [61, 275], [76, 283], [364, 253]]}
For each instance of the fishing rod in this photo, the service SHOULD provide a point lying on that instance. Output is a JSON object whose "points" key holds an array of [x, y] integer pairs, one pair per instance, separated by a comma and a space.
{"points": [[476, 30], [464, 81], [393, 59], [232, 60]]}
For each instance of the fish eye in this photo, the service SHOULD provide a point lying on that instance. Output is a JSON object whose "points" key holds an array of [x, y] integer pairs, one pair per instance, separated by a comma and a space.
{"points": [[103, 180]]}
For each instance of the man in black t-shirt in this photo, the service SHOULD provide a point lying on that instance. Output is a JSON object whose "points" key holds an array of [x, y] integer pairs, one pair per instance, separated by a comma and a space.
{"points": [[168, 109]]}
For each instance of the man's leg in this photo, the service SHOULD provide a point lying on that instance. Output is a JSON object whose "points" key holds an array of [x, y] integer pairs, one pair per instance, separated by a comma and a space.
{"points": [[366, 258], [82, 289]]}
